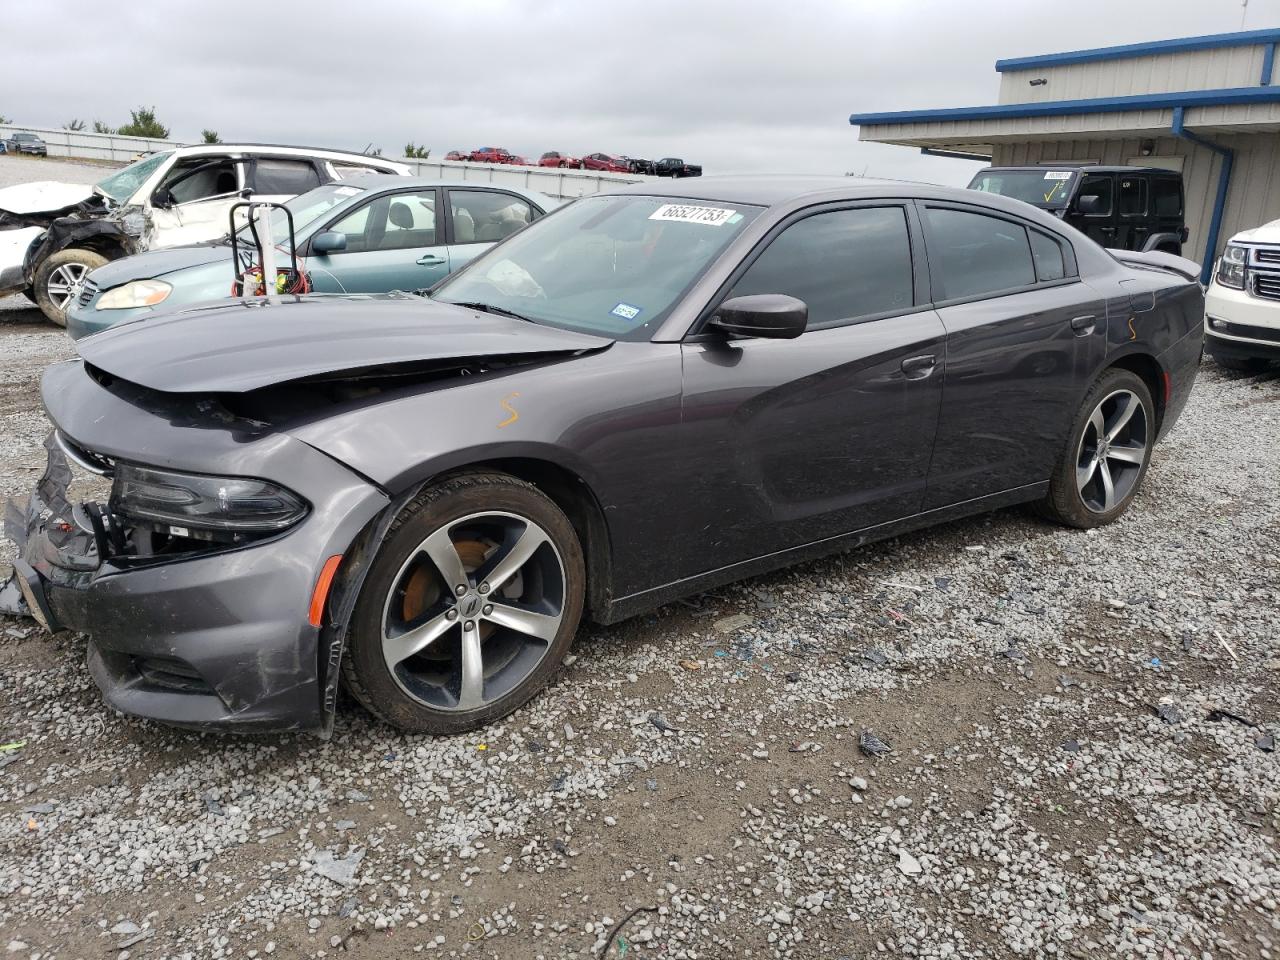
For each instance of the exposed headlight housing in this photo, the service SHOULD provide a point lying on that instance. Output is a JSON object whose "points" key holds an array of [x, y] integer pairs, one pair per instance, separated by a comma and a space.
{"points": [[1231, 266], [135, 293], [204, 507]]}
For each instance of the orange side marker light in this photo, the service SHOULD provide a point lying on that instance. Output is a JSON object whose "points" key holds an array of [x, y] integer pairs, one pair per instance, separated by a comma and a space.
{"points": [[321, 592]]}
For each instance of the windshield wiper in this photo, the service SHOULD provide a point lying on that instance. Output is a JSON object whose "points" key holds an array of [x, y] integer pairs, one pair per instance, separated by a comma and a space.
{"points": [[490, 308]]}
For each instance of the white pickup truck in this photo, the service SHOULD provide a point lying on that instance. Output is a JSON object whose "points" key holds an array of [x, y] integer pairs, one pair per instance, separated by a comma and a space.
{"points": [[53, 234], [1242, 307]]}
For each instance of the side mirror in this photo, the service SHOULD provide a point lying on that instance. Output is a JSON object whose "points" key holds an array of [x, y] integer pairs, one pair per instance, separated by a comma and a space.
{"points": [[162, 198], [1090, 205], [772, 316], [328, 242]]}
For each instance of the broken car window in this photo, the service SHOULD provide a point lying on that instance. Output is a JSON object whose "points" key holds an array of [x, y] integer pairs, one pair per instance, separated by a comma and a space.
{"points": [[123, 184]]}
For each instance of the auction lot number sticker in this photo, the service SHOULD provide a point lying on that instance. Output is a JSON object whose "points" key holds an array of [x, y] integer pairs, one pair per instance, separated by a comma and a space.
{"points": [[687, 213]]}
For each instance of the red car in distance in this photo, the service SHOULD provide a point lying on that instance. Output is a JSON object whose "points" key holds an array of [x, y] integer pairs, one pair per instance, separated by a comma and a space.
{"points": [[554, 159], [491, 155], [457, 155], [605, 162]]}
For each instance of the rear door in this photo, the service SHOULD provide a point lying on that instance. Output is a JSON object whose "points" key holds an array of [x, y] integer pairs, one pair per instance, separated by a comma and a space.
{"points": [[800, 440], [1133, 224], [1024, 336], [394, 242], [281, 178]]}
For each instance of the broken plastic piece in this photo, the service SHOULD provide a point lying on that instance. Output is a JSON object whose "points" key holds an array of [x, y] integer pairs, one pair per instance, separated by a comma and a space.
{"points": [[872, 745]]}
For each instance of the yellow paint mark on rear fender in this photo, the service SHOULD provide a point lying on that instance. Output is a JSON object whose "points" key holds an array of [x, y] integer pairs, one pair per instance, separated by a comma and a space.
{"points": [[505, 403]]}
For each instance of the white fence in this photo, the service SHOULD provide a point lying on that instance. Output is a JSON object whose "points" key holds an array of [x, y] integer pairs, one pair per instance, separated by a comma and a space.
{"points": [[91, 146], [562, 184]]}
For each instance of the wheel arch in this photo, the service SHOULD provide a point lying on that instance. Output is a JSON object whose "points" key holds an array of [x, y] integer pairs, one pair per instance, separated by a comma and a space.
{"points": [[1148, 369]]}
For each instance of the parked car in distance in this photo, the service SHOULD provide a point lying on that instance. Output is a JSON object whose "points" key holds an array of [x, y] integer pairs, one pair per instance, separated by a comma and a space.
{"points": [[1123, 208], [519, 161], [554, 159], [457, 155], [1242, 306], [674, 167], [52, 235], [605, 162], [26, 143], [423, 497], [640, 165], [490, 155], [369, 234]]}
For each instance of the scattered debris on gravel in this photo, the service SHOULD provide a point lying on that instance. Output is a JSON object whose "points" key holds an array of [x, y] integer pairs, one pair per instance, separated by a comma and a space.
{"points": [[995, 738]]}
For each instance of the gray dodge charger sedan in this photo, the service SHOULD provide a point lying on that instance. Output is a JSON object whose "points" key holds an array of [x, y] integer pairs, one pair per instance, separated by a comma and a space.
{"points": [[643, 395]]}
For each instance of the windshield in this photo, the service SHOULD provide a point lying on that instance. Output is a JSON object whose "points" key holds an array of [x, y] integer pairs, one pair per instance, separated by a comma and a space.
{"points": [[123, 184], [306, 209], [1044, 188], [612, 266]]}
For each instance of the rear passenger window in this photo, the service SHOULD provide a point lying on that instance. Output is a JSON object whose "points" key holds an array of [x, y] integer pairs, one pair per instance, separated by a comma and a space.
{"points": [[1168, 197], [1047, 254], [972, 254], [845, 264], [1133, 197], [486, 216], [285, 177]]}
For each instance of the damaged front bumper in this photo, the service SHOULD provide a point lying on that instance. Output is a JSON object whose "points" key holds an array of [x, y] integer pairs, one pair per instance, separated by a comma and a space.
{"points": [[218, 637]]}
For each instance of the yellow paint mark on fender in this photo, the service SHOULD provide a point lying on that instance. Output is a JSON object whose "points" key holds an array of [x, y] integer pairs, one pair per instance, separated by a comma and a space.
{"points": [[505, 403], [1133, 334]]}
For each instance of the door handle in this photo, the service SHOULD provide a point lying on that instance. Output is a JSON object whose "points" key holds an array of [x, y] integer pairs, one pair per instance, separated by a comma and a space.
{"points": [[430, 260], [917, 368], [1083, 326]]}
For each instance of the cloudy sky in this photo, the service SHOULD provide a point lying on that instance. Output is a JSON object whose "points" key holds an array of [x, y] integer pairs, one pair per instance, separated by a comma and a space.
{"points": [[738, 85]]}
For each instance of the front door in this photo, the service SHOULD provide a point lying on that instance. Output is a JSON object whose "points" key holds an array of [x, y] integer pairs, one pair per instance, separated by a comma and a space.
{"points": [[1024, 335], [393, 243], [796, 441], [1101, 224], [193, 202]]}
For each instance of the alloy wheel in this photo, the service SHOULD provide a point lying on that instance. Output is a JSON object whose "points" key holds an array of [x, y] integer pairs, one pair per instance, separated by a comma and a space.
{"points": [[473, 610], [65, 282], [1113, 450]]}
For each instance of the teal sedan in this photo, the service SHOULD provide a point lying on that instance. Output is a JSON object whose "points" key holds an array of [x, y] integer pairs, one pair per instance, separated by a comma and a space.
{"points": [[369, 234]]}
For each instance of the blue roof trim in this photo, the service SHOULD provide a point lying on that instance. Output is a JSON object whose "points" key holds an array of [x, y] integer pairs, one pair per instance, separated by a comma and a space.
{"points": [[1057, 108], [1153, 48]]}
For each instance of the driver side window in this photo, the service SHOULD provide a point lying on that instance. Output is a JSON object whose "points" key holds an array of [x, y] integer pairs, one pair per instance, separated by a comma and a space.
{"points": [[201, 178]]}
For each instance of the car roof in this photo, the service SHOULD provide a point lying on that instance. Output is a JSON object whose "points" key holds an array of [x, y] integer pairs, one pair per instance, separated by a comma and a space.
{"points": [[388, 181], [1087, 168], [282, 149]]}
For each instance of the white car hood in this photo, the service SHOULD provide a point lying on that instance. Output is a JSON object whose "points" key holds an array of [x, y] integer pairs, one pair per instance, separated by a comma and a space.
{"points": [[1267, 233], [46, 196]]}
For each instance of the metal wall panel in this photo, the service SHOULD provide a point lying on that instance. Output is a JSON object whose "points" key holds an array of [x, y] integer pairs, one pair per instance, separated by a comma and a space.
{"points": [[1193, 70]]}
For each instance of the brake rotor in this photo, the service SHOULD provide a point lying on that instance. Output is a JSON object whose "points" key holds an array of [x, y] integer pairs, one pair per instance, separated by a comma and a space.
{"points": [[422, 591]]}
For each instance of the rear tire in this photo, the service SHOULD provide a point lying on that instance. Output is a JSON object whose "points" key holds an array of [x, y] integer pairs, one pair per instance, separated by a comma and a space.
{"points": [[56, 278], [1240, 364], [429, 655], [1106, 455]]}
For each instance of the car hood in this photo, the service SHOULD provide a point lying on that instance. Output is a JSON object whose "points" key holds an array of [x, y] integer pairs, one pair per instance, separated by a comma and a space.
{"points": [[158, 263], [1267, 233], [241, 345], [45, 196]]}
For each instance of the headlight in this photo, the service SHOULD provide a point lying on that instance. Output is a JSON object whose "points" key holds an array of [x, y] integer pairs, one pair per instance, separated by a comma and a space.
{"points": [[137, 293], [1231, 266], [211, 508]]}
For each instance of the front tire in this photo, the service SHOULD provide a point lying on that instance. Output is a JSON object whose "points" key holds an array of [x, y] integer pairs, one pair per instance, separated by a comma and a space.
{"points": [[58, 277], [1106, 455], [469, 607]]}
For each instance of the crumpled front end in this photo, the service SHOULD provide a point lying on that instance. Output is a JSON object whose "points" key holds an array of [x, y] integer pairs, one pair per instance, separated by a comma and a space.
{"points": [[188, 630]]}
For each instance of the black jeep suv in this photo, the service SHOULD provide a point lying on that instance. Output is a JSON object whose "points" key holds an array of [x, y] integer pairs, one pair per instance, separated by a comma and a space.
{"points": [[1124, 208]]}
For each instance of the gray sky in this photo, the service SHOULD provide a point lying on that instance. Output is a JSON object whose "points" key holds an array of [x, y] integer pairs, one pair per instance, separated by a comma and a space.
{"points": [[739, 85]]}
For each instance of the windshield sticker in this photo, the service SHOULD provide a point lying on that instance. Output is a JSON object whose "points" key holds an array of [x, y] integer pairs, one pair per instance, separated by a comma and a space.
{"points": [[626, 311], [1058, 175], [711, 216]]}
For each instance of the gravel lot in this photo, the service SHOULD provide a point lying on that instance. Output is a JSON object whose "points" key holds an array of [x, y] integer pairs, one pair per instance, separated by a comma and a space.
{"points": [[1056, 784]]}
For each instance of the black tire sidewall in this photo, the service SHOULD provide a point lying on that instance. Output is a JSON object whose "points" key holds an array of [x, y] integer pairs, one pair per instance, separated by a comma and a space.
{"points": [[435, 507], [40, 283], [1064, 502]]}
